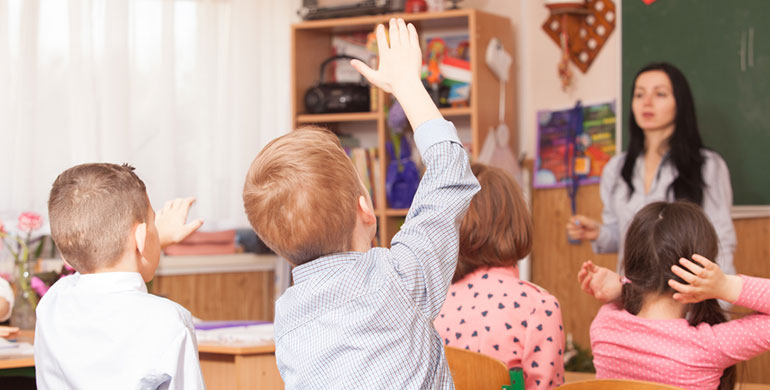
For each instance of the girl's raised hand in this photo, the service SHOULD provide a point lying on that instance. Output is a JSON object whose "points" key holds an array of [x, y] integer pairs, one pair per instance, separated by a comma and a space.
{"points": [[705, 280], [600, 282]]}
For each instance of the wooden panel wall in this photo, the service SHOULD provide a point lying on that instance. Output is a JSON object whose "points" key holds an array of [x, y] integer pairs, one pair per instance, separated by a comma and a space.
{"points": [[221, 296], [555, 262]]}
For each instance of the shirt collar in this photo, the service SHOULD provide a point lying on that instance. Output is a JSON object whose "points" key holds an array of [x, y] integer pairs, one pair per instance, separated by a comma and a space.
{"points": [[307, 270], [111, 282]]}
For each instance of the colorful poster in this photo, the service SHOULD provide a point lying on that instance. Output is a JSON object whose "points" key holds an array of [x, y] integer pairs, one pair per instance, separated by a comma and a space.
{"points": [[595, 145]]}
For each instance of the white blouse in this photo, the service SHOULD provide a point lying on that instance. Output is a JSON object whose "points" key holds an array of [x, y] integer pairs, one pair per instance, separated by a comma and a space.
{"points": [[104, 331], [619, 209]]}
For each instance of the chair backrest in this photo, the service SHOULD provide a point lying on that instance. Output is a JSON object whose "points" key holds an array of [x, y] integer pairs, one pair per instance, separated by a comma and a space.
{"points": [[471, 370], [615, 384]]}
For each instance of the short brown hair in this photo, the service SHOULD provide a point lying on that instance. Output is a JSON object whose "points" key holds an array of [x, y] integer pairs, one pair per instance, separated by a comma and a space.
{"points": [[92, 209], [497, 229], [301, 194]]}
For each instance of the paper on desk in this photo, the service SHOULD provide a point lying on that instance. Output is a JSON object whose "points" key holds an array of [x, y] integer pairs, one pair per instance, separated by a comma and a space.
{"points": [[242, 335], [13, 348]]}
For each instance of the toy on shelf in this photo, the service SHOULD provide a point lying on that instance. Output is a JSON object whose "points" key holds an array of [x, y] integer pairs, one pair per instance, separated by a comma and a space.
{"points": [[447, 70], [401, 177]]}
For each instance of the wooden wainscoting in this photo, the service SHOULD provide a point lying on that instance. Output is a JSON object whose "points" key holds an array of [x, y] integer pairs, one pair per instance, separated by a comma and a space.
{"points": [[555, 263], [221, 296]]}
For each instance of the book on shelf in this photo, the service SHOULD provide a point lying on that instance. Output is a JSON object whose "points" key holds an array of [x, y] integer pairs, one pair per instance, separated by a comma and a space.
{"points": [[367, 162]]}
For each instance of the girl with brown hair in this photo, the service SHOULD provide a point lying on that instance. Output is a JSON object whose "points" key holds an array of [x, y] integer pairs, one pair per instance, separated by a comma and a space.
{"points": [[488, 308], [663, 322]]}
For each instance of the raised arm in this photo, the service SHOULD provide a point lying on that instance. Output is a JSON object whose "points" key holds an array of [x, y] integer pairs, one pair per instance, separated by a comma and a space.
{"points": [[739, 339], [424, 252]]}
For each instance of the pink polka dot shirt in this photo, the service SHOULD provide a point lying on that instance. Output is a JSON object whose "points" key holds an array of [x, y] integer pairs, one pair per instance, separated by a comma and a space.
{"points": [[493, 312], [673, 352]]}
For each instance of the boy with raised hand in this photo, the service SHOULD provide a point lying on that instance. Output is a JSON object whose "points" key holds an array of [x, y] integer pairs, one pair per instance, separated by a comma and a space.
{"points": [[99, 328], [358, 316]]}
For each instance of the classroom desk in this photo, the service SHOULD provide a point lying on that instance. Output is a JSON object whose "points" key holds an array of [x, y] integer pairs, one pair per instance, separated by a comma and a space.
{"points": [[19, 365], [239, 367]]}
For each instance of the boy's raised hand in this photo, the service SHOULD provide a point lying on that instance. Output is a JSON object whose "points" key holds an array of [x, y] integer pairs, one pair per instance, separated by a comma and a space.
{"points": [[171, 221], [400, 62], [399, 71], [600, 282], [705, 280]]}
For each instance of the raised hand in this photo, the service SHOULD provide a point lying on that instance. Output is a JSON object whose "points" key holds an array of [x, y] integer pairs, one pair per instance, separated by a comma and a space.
{"points": [[170, 221], [603, 284], [705, 280], [399, 71], [400, 61]]}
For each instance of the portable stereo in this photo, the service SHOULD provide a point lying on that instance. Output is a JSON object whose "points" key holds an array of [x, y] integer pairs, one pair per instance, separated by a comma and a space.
{"points": [[337, 97]]}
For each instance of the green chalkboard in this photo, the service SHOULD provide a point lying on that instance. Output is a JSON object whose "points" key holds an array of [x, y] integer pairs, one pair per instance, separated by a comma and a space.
{"points": [[723, 48]]}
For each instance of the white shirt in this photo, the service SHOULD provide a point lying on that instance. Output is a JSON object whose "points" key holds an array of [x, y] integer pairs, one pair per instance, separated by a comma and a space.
{"points": [[104, 331], [6, 293]]}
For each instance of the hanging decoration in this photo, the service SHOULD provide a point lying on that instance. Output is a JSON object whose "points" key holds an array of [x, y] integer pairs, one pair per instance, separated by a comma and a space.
{"points": [[580, 28]]}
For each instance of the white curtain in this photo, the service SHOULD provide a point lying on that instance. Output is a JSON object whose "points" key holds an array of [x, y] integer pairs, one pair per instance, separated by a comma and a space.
{"points": [[187, 91]]}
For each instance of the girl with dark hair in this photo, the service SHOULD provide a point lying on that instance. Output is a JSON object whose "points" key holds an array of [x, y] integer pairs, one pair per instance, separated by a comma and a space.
{"points": [[663, 322], [665, 161], [488, 308]]}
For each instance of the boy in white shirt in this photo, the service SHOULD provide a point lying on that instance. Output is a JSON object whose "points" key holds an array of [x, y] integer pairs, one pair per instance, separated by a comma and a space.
{"points": [[99, 328]]}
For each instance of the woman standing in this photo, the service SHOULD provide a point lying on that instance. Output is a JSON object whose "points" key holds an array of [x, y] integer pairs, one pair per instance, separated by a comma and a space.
{"points": [[665, 161]]}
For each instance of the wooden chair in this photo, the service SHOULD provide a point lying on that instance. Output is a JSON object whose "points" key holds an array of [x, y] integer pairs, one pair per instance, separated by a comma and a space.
{"points": [[471, 370], [615, 384]]}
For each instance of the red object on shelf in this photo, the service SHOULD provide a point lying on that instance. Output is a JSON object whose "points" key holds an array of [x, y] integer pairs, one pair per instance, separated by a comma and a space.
{"points": [[415, 6], [205, 243]]}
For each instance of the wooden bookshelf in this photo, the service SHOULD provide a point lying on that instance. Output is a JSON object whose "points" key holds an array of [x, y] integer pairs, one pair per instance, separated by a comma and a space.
{"points": [[334, 118], [312, 43]]}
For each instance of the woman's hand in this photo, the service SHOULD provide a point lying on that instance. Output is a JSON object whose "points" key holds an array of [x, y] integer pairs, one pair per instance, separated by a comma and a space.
{"points": [[582, 228], [704, 281], [603, 284]]}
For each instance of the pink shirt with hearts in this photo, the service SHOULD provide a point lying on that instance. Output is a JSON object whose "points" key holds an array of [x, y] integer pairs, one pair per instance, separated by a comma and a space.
{"points": [[493, 312]]}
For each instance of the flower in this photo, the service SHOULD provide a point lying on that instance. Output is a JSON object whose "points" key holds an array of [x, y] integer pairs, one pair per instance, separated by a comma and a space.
{"points": [[29, 222], [39, 286]]}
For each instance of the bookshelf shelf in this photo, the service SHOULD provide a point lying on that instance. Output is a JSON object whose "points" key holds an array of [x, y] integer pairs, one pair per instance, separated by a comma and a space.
{"points": [[396, 212], [455, 112], [312, 43], [341, 117]]}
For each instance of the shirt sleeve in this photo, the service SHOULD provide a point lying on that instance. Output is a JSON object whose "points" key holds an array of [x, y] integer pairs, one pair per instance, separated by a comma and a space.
{"points": [[749, 336], [6, 293], [543, 354], [717, 203], [424, 252], [609, 234]]}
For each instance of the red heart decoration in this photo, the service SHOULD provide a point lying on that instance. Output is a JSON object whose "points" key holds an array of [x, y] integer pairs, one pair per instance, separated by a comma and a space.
{"points": [[648, 2]]}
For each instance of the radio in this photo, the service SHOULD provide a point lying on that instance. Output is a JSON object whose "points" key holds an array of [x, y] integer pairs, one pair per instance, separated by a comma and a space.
{"points": [[311, 9], [337, 97]]}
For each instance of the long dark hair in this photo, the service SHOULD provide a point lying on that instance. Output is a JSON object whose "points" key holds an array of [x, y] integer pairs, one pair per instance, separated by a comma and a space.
{"points": [[685, 143], [660, 234]]}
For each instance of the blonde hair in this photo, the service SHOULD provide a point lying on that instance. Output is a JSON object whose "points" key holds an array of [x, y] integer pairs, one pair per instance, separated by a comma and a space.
{"points": [[92, 209], [497, 229], [301, 194]]}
